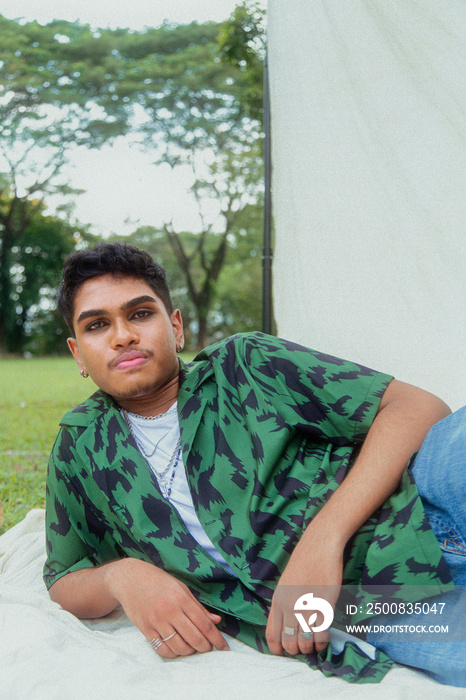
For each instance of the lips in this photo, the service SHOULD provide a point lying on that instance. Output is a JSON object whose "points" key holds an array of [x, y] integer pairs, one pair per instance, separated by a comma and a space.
{"points": [[130, 359]]}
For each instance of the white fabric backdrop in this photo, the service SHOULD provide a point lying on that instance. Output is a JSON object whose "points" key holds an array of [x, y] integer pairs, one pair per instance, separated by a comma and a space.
{"points": [[368, 107]]}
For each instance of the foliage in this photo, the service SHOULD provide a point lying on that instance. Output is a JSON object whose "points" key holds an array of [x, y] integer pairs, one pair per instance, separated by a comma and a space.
{"points": [[208, 125], [33, 248], [51, 99], [238, 304], [64, 85], [242, 43], [233, 182], [55, 82]]}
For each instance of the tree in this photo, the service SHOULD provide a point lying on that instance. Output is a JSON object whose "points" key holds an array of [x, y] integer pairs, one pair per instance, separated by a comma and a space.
{"points": [[56, 93], [31, 269], [230, 190], [50, 101], [65, 86], [209, 127], [197, 117], [233, 183], [238, 304]]}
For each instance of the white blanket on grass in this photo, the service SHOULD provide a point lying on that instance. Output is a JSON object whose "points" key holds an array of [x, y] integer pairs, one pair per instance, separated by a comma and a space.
{"points": [[47, 653]]}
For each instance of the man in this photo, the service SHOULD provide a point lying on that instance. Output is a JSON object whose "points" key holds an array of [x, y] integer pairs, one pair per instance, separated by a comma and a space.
{"points": [[192, 494]]}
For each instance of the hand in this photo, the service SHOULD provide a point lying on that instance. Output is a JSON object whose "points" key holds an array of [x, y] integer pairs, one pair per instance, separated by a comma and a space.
{"points": [[160, 605], [319, 574]]}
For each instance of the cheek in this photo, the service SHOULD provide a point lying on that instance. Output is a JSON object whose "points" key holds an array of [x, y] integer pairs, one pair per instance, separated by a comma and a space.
{"points": [[92, 356], [98, 360]]}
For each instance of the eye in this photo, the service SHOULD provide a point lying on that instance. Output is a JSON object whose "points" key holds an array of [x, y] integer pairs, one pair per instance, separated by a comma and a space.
{"points": [[141, 314], [95, 325]]}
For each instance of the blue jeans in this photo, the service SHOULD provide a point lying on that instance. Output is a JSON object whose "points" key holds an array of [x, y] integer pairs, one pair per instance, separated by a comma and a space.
{"points": [[440, 473]]}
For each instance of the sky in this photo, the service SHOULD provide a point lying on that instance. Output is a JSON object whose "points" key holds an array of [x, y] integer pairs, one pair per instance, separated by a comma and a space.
{"points": [[135, 14], [123, 189]]}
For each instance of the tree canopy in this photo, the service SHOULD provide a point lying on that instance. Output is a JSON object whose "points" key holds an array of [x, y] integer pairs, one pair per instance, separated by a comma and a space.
{"points": [[178, 93]]}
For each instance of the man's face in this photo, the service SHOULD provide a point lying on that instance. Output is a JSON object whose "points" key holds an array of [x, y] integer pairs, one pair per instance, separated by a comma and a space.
{"points": [[125, 338]]}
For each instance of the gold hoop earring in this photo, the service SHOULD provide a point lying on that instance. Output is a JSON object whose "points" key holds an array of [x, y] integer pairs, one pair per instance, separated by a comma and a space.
{"points": [[83, 373]]}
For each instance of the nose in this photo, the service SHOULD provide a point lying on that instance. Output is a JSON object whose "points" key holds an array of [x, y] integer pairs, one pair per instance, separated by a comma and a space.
{"points": [[124, 334]]}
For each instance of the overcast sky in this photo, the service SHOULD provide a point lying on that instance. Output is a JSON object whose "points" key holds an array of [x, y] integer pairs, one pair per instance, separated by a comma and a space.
{"points": [[119, 13], [123, 188]]}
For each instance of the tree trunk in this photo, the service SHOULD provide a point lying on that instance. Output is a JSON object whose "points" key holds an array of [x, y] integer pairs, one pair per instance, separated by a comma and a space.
{"points": [[201, 295], [203, 330]]}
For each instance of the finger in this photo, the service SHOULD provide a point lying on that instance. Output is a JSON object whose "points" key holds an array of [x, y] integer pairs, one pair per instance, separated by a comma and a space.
{"points": [[214, 617], [196, 632], [202, 631], [205, 621], [306, 642], [273, 632], [160, 647], [171, 646], [189, 640], [178, 646], [289, 637]]}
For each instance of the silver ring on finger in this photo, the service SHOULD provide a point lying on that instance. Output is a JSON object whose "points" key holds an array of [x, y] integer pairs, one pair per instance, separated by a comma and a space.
{"points": [[169, 637], [306, 635], [156, 643], [289, 631]]}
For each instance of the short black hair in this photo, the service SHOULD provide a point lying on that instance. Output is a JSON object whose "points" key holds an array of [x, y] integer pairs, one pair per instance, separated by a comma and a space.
{"points": [[109, 259]]}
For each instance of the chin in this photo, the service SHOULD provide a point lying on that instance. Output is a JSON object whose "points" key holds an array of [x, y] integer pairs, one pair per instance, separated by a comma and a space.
{"points": [[135, 391]]}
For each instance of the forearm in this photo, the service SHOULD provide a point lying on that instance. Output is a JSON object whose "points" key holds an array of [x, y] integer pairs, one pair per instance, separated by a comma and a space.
{"points": [[88, 593]]}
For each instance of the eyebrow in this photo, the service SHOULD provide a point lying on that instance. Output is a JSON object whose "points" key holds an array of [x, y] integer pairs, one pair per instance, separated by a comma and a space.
{"points": [[91, 313]]}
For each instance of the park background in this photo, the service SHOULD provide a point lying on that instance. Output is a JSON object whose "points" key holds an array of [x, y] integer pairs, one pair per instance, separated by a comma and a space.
{"points": [[368, 122], [145, 128]]}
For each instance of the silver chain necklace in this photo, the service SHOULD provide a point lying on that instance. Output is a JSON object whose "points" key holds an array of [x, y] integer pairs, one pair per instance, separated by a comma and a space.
{"points": [[172, 409], [147, 455]]}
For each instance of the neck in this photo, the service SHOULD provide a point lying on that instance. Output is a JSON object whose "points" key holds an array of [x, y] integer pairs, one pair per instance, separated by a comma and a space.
{"points": [[153, 403]]}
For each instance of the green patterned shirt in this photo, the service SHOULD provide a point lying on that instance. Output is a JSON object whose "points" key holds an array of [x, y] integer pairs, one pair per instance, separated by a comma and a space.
{"points": [[269, 430]]}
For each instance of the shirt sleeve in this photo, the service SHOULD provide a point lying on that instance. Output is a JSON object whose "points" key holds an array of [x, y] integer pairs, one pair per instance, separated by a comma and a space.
{"points": [[70, 527], [324, 396]]}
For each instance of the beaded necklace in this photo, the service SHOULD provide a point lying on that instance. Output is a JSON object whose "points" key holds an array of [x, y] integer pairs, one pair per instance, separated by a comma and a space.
{"points": [[167, 489]]}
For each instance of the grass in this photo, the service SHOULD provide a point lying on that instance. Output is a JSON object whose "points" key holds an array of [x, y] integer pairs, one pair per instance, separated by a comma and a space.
{"points": [[34, 396]]}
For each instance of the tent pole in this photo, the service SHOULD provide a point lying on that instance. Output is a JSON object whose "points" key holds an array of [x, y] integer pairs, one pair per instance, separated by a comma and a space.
{"points": [[267, 253]]}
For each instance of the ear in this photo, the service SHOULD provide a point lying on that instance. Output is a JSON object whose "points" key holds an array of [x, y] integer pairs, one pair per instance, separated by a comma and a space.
{"points": [[177, 323], [73, 346]]}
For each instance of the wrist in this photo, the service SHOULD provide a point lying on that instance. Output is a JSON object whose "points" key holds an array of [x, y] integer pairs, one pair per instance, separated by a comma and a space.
{"points": [[327, 535], [117, 574]]}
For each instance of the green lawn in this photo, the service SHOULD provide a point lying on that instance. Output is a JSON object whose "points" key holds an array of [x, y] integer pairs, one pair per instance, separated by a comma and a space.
{"points": [[34, 395]]}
